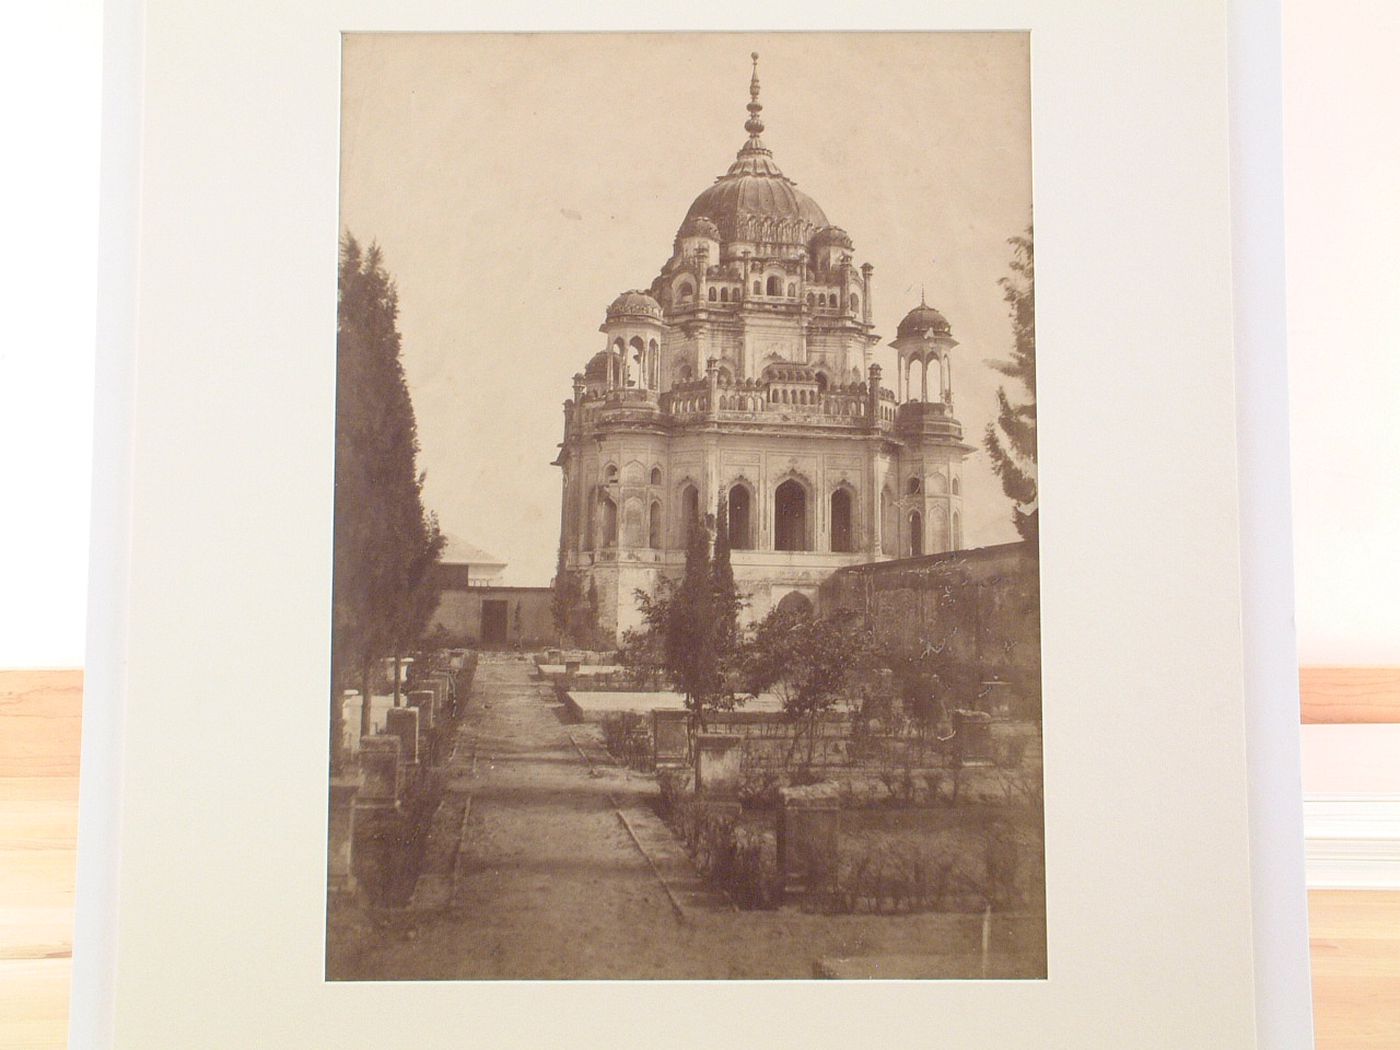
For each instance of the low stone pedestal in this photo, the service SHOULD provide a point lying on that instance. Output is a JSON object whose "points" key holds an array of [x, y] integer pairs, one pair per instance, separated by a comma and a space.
{"points": [[809, 833], [382, 766], [973, 739], [377, 847], [402, 722], [423, 701], [718, 763], [670, 738], [340, 874], [441, 681]]}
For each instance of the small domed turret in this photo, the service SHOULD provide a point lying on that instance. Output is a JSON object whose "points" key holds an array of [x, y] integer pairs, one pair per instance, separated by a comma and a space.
{"points": [[634, 303], [925, 338], [923, 318]]}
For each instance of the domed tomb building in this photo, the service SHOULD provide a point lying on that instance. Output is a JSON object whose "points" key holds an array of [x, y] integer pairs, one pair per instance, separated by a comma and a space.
{"points": [[739, 390]]}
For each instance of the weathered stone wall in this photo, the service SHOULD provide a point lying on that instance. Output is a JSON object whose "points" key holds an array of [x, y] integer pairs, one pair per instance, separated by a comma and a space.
{"points": [[529, 618], [978, 608]]}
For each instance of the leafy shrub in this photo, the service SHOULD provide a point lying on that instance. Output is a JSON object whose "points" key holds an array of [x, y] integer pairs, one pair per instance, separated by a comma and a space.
{"points": [[760, 789], [729, 857], [675, 787], [888, 880], [627, 736]]}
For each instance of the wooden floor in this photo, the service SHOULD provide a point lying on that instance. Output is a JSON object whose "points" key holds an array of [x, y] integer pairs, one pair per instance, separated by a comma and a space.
{"points": [[1355, 935]]}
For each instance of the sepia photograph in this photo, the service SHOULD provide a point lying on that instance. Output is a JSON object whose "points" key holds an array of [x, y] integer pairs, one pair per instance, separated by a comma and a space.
{"points": [[686, 615]]}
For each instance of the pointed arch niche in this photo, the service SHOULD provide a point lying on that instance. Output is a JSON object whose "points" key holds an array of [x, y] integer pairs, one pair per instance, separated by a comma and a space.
{"points": [[740, 524], [791, 517], [843, 526]]}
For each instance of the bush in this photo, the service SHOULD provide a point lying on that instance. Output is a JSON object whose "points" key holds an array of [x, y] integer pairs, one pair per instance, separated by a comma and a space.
{"points": [[893, 880], [627, 736], [675, 785], [730, 858], [760, 789]]}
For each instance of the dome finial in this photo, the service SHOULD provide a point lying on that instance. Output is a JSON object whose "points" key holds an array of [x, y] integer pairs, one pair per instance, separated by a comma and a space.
{"points": [[922, 301], [754, 125]]}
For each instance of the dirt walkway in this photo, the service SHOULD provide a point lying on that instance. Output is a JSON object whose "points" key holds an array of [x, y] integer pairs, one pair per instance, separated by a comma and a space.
{"points": [[550, 884]]}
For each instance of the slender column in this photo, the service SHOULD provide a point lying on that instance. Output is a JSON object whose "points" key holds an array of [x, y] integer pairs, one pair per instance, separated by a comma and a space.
{"points": [[923, 377]]}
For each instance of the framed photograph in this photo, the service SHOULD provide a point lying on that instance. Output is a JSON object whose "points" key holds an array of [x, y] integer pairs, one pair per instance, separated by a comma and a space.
{"points": [[618, 534]]}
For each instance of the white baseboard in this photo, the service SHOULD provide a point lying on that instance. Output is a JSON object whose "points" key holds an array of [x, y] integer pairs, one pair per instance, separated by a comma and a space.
{"points": [[1352, 842]]}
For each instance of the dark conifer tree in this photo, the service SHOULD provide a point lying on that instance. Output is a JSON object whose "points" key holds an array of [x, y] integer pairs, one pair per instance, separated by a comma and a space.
{"points": [[727, 600], [386, 543], [1011, 440]]}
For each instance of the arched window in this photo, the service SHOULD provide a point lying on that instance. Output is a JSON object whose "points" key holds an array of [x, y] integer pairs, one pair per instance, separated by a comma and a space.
{"points": [[957, 532], [855, 304], [790, 517], [842, 534], [795, 604], [639, 358], [685, 373], [656, 475], [654, 524], [811, 299], [821, 299], [610, 473], [775, 286], [957, 486], [724, 295], [758, 288], [609, 522], [690, 511], [792, 290], [685, 291], [714, 294], [916, 485], [740, 518], [821, 382], [916, 535]]}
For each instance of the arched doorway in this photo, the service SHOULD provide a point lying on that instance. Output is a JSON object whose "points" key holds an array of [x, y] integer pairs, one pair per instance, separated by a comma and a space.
{"points": [[842, 534], [795, 604], [916, 535], [790, 517], [740, 518]]}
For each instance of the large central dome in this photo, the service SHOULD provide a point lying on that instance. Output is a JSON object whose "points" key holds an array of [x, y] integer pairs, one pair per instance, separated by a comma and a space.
{"points": [[757, 202], [754, 200]]}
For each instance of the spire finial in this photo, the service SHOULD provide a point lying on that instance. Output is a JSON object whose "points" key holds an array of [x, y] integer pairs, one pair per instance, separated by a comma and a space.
{"points": [[922, 301], [754, 125]]}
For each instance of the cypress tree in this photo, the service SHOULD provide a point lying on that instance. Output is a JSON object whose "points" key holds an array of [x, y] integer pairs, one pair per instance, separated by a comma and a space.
{"points": [[726, 594], [386, 543], [1011, 440], [690, 634]]}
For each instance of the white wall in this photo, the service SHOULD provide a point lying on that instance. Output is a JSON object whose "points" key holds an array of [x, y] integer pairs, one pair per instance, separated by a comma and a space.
{"points": [[50, 61], [1342, 149]]}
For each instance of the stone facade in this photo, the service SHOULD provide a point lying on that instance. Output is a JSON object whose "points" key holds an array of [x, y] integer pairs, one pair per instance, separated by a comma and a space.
{"points": [[743, 378]]}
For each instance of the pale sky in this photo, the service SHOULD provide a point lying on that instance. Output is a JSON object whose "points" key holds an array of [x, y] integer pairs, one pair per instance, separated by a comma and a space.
{"points": [[518, 183]]}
